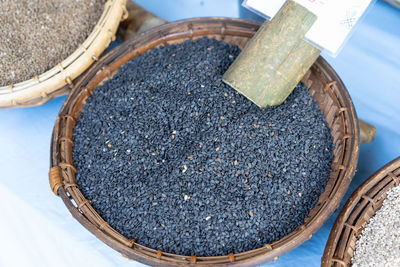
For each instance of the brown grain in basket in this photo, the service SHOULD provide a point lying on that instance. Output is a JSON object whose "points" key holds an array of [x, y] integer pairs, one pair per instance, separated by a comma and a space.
{"points": [[323, 83], [56, 81], [41, 34]]}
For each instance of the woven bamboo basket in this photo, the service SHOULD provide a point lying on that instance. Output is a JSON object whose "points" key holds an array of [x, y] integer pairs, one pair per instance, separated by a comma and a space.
{"points": [[355, 215], [323, 83], [58, 80]]}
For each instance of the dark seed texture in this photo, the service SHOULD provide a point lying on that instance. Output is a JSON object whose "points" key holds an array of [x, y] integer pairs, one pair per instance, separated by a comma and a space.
{"points": [[172, 157]]}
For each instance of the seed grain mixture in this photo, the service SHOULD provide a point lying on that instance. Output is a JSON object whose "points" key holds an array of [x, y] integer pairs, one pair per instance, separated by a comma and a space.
{"points": [[172, 157], [379, 243], [36, 35]]}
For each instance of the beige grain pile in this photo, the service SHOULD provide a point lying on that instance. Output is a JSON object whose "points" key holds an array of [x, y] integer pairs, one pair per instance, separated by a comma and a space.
{"points": [[36, 35], [379, 243]]}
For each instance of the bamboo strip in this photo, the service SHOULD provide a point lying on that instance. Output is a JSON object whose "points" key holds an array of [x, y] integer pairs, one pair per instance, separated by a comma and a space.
{"points": [[276, 58]]}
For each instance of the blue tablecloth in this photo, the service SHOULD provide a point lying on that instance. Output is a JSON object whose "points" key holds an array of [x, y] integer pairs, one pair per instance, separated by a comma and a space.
{"points": [[36, 228]]}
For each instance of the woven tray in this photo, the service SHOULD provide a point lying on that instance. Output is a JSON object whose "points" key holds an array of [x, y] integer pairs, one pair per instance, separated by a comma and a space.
{"points": [[323, 83], [355, 215], [58, 80]]}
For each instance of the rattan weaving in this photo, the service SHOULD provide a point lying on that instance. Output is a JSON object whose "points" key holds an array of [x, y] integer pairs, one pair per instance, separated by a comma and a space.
{"points": [[323, 83]]}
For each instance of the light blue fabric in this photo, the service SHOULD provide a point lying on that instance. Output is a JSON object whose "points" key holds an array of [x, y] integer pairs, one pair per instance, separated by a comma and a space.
{"points": [[369, 65]]}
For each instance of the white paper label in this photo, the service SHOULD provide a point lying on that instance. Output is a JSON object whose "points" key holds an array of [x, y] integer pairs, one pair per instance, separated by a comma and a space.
{"points": [[335, 18]]}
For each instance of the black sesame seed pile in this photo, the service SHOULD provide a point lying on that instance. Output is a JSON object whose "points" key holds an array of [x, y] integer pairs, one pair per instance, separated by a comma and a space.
{"points": [[172, 157]]}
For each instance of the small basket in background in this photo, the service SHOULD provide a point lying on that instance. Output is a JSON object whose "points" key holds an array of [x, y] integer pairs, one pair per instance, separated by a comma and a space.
{"points": [[58, 80], [356, 213]]}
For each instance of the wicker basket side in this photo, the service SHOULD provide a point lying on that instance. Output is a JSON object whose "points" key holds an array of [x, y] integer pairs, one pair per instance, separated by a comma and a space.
{"points": [[323, 83], [58, 80], [355, 215]]}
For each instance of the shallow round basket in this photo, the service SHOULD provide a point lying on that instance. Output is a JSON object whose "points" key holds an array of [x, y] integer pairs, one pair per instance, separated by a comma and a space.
{"points": [[58, 80], [323, 83], [355, 215]]}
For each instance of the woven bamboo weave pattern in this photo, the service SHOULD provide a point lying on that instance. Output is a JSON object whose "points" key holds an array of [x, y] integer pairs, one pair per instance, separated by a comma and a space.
{"points": [[323, 83]]}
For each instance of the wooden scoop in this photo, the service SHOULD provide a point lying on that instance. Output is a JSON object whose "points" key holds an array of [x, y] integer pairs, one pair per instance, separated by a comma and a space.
{"points": [[264, 58], [276, 58], [139, 20]]}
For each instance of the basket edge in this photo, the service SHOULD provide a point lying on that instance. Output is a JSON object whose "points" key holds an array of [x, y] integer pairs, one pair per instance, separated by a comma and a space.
{"points": [[57, 80]]}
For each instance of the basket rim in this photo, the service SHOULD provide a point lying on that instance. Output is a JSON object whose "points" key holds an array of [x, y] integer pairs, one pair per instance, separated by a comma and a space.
{"points": [[103, 70], [374, 182], [57, 80]]}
